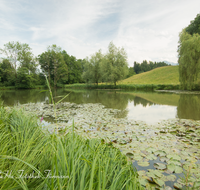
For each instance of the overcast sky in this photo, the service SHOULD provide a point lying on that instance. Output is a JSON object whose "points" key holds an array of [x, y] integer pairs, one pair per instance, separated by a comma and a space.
{"points": [[147, 29]]}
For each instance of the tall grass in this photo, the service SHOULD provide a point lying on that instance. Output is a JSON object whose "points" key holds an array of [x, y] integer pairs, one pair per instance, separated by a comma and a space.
{"points": [[38, 160]]}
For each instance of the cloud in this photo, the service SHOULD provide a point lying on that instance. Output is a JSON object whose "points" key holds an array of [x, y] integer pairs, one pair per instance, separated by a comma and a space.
{"points": [[146, 29]]}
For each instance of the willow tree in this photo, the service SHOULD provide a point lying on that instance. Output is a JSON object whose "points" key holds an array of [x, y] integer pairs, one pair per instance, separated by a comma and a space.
{"points": [[189, 54], [115, 65]]}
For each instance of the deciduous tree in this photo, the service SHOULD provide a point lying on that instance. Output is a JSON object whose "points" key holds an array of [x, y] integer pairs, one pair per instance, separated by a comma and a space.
{"points": [[115, 64], [20, 53]]}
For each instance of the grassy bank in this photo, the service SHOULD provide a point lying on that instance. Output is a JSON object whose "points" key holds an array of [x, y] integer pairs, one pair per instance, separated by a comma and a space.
{"points": [[168, 75], [13, 87], [162, 78], [32, 159], [124, 86]]}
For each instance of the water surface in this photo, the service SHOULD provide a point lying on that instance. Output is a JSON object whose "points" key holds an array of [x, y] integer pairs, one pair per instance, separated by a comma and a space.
{"points": [[150, 107]]}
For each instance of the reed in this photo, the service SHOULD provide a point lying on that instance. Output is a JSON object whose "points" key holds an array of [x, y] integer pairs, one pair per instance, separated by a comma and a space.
{"points": [[39, 160]]}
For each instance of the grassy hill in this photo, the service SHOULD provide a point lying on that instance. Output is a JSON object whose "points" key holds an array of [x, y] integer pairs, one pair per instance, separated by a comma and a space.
{"points": [[161, 75]]}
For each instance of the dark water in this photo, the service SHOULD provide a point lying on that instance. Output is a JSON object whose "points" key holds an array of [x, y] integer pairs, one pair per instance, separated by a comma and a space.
{"points": [[150, 107]]}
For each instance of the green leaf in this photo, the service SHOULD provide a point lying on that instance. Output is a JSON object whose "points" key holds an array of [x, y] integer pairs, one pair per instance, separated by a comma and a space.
{"points": [[160, 182], [160, 166], [143, 164]]}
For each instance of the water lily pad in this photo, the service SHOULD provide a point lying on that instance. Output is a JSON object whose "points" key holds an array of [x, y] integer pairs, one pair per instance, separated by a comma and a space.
{"points": [[163, 159], [143, 181], [151, 149], [155, 173], [177, 186], [151, 157], [171, 177], [174, 156], [160, 182], [137, 157], [167, 188], [178, 170], [174, 168], [129, 154], [143, 164], [176, 162], [160, 153], [160, 166], [141, 173]]}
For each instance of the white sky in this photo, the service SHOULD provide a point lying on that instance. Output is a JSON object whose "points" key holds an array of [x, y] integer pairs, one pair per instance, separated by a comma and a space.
{"points": [[147, 29]]}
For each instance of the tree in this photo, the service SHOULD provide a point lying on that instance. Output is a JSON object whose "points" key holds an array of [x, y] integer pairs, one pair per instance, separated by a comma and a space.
{"points": [[24, 78], [189, 54], [7, 73], [115, 66], [188, 59], [21, 53], [92, 68], [131, 72], [194, 27], [53, 65]]}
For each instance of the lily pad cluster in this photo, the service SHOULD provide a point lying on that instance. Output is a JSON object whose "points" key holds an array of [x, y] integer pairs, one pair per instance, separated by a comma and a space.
{"points": [[165, 153]]}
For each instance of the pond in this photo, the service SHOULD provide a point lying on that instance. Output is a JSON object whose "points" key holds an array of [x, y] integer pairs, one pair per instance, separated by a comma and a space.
{"points": [[150, 107], [158, 132]]}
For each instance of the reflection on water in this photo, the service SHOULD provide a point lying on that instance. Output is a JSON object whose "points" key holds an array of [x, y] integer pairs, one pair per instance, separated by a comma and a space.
{"points": [[147, 106], [151, 113], [189, 106]]}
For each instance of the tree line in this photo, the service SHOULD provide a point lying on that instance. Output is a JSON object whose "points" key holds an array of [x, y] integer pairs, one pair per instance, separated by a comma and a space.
{"points": [[23, 70], [145, 66]]}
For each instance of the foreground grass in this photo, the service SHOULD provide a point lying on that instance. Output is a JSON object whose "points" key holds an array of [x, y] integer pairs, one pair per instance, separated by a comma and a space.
{"points": [[31, 159]]}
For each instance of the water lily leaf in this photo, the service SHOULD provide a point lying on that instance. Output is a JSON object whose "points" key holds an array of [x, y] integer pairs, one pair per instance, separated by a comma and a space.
{"points": [[163, 159], [160, 166], [171, 167], [168, 188], [151, 149], [177, 186], [174, 156], [143, 181], [160, 182], [176, 162], [143, 164], [137, 157], [174, 168], [151, 175], [171, 177], [160, 153], [178, 169], [141, 173], [151, 157], [155, 173], [129, 154]]}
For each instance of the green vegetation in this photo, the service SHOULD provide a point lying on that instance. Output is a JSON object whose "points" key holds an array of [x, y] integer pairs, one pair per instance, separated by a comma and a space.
{"points": [[32, 158], [145, 66], [110, 67], [163, 75], [20, 68], [189, 50], [158, 98]]}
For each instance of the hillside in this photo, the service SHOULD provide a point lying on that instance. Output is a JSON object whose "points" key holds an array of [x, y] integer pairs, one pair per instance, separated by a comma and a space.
{"points": [[161, 75]]}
